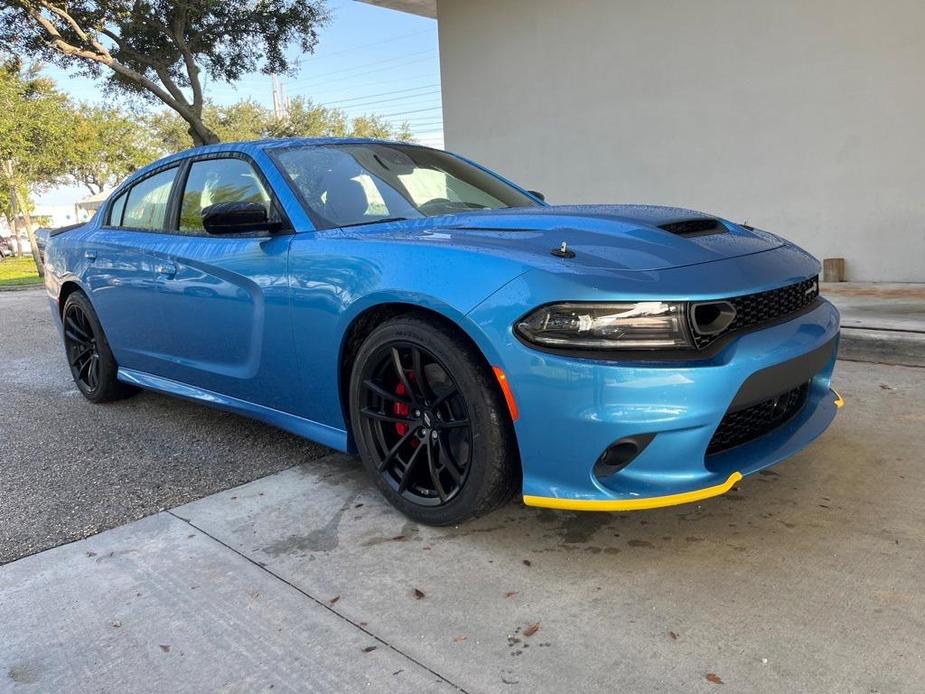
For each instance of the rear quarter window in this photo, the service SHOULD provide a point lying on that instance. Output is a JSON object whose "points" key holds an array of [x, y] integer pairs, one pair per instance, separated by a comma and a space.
{"points": [[146, 202], [115, 211]]}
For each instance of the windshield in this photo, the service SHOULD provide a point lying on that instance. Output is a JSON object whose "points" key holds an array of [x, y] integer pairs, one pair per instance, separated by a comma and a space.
{"points": [[345, 185]]}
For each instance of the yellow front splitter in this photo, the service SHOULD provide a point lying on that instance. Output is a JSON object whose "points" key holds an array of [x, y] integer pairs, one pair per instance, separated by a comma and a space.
{"points": [[648, 502], [633, 504]]}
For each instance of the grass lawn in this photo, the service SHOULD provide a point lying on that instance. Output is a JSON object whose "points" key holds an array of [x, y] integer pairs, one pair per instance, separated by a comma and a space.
{"points": [[15, 272]]}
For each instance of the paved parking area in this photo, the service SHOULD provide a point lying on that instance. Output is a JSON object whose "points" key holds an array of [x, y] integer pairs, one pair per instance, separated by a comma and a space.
{"points": [[69, 469], [803, 579]]}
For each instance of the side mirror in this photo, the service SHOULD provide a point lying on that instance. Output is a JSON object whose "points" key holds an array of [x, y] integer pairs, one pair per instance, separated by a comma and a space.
{"points": [[537, 194], [235, 218]]}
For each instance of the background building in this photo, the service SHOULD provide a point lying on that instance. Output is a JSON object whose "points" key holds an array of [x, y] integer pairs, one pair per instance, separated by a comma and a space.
{"points": [[804, 118]]}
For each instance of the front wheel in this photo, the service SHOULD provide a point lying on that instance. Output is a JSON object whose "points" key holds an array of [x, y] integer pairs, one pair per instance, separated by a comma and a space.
{"points": [[430, 424]]}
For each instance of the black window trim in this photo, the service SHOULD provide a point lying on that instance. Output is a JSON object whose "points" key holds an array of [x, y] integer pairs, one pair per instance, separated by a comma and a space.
{"points": [[128, 188], [172, 215]]}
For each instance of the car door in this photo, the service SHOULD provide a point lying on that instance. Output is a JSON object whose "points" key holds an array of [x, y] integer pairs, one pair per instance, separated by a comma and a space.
{"points": [[225, 299], [120, 267]]}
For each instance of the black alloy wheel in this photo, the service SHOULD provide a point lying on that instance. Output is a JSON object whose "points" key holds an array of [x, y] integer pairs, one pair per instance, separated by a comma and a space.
{"points": [[430, 422], [89, 357], [415, 415], [83, 354]]}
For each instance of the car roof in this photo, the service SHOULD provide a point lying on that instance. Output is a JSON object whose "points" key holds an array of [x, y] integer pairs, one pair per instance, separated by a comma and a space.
{"points": [[271, 143]]}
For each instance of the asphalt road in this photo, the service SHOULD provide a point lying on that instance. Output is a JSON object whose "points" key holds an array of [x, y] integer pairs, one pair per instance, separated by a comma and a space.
{"points": [[69, 469]]}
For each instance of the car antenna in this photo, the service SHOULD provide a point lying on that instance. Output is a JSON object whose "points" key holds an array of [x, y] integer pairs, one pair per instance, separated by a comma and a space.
{"points": [[563, 251]]}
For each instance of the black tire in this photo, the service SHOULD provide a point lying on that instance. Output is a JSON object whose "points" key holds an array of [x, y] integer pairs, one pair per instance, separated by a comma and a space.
{"points": [[89, 357], [466, 428]]}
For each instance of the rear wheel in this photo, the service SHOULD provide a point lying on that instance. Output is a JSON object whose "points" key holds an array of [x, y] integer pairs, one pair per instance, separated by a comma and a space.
{"points": [[93, 367], [431, 427]]}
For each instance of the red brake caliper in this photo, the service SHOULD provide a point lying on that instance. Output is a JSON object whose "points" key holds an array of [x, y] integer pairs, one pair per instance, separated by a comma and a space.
{"points": [[400, 409]]}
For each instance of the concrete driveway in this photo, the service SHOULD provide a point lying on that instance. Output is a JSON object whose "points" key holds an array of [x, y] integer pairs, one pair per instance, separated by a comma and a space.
{"points": [[805, 579]]}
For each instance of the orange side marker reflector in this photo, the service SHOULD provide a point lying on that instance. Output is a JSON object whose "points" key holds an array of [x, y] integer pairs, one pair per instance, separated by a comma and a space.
{"points": [[508, 394]]}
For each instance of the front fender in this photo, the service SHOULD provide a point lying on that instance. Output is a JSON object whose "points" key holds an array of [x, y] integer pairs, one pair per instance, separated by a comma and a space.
{"points": [[334, 279]]}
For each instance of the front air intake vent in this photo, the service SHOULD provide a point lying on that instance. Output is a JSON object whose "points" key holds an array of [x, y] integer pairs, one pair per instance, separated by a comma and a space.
{"points": [[694, 227], [750, 310]]}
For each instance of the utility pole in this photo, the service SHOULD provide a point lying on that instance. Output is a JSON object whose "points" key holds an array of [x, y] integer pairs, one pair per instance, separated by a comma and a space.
{"points": [[280, 100]]}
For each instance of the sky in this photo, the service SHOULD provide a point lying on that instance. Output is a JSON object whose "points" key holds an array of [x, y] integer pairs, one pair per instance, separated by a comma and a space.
{"points": [[368, 60]]}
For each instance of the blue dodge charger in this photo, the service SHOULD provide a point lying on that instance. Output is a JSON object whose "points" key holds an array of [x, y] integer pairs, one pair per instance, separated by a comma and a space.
{"points": [[467, 339]]}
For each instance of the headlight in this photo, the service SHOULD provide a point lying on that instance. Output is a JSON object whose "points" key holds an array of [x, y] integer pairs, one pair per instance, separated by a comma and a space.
{"points": [[642, 325]]}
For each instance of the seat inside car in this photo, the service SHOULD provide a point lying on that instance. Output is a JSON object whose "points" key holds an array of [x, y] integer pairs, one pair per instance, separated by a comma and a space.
{"points": [[345, 200]]}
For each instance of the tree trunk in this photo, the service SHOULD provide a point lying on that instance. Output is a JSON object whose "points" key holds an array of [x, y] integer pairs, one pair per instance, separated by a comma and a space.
{"points": [[15, 225], [36, 256], [200, 133]]}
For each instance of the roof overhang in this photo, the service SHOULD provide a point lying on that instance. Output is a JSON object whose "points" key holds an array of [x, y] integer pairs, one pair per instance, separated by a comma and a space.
{"points": [[424, 8]]}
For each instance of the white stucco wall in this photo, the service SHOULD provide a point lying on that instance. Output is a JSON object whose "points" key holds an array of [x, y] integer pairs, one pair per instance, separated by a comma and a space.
{"points": [[805, 117]]}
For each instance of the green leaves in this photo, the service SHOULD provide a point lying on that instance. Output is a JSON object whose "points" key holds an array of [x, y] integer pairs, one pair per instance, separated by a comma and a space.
{"points": [[46, 140], [107, 145], [34, 132], [160, 48], [248, 120]]}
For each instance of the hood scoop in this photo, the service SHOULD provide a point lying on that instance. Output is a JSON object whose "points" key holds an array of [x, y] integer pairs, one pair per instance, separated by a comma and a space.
{"points": [[691, 228]]}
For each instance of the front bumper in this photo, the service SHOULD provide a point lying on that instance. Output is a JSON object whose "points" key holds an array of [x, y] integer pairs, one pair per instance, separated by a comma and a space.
{"points": [[571, 410]]}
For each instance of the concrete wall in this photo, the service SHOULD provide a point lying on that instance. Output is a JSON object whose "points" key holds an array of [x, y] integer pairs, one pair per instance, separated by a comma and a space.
{"points": [[805, 117]]}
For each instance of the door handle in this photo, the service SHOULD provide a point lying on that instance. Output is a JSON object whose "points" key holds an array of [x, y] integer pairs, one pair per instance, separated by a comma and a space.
{"points": [[168, 270], [90, 254]]}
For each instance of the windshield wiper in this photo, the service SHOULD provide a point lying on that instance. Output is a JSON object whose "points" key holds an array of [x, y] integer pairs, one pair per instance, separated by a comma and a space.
{"points": [[375, 221]]}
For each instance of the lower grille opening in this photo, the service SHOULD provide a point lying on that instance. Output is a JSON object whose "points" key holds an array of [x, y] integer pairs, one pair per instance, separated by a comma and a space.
{"points": [[757, 420]]}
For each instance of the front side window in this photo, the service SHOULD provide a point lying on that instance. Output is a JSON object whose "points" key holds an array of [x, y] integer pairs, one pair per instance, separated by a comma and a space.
{"points": [[219, 180], [344, 185], [146, 206]]}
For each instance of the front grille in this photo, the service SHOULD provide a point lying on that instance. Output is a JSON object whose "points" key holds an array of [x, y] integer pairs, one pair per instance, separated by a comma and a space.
{"points": [[763, 307], [752, 422]]}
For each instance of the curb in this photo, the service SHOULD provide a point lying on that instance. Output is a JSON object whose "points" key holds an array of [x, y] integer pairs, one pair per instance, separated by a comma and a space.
{"points": [[882, 346], [22, 287]]}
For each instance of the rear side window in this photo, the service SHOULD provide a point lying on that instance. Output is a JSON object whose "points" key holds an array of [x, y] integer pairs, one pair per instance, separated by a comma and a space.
{"points": [[219, 180], [146, 206], [116, 210]]}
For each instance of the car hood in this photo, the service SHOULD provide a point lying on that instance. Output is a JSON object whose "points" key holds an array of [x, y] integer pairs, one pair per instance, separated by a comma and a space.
{"points": [[624, 237]]}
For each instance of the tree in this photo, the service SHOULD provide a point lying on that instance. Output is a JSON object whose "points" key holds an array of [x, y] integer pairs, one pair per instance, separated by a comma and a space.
{"points": [[107, 145], [248, 120], [9, 195], [243, 120], [306, 119], [160, 49], [35, 123], [376, 126]]}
